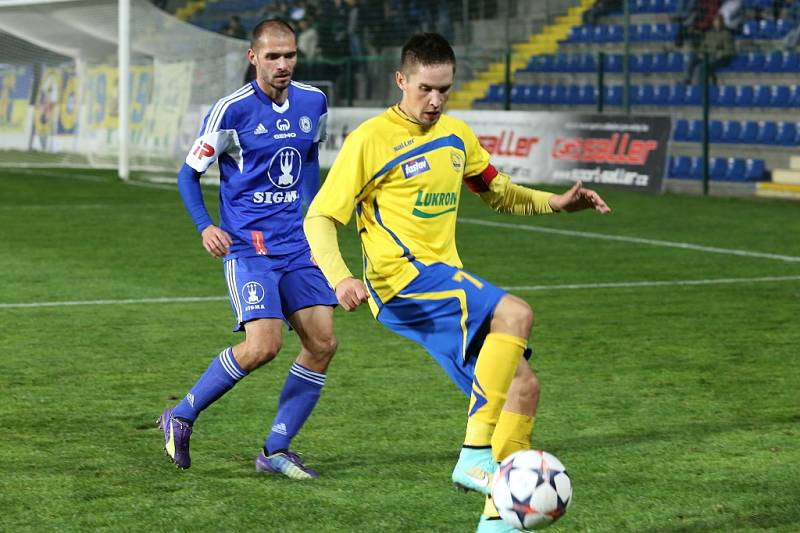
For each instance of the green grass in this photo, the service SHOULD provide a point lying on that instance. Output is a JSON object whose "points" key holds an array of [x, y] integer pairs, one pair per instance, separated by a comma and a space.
{"points": [[674, 407]]}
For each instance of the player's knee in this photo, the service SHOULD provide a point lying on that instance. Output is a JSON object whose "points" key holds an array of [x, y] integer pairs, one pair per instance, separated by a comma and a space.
{"points": [[323, 349], [255, 355], [513, 316]]}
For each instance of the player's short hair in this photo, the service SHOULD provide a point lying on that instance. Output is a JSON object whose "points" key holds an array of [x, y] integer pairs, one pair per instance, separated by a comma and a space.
{"points": [[426, 49], [266, 26]]}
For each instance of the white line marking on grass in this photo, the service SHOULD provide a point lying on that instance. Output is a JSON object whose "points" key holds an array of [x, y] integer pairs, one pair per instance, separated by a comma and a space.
{"points": [[556, 287], [85, 206], [665, 283], [165, 300], [72, 175], [638, 240]]}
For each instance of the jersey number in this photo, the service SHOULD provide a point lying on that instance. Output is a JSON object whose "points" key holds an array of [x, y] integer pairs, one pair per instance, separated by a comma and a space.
{"points": [[461, 276]]}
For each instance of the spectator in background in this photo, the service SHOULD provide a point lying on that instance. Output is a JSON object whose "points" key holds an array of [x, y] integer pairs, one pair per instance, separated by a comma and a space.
{"points": [[792, 39], [307, 39], [600, 8], [732, 12], [234, 28], [718, 42], [275, 10]]}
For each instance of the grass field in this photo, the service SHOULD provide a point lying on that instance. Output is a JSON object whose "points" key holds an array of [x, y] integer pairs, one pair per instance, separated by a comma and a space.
{"points": [[666, 342]]}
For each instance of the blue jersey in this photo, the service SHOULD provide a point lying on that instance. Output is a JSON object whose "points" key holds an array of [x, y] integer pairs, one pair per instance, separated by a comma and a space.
{"points": [[263, 150]]}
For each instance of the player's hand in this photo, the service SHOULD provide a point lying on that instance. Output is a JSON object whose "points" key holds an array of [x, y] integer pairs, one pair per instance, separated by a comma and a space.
{"points": [[216, 241], [351, 293], [578, 198]]}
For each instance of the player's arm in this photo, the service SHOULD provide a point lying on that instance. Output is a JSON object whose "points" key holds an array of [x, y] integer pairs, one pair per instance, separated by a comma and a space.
{"points": [[322, 238]]}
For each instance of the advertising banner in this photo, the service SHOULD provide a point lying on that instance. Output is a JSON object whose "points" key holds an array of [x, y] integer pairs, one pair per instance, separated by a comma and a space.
{"points": [[16, 84], [542, 147]]}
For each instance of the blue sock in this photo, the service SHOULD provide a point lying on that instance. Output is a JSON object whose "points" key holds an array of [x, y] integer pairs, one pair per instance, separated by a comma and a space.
{"points": [[220, 377], [298, 398]]}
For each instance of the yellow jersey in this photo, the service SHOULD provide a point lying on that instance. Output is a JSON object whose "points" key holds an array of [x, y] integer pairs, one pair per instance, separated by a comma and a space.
{"points": [[404, 182]]}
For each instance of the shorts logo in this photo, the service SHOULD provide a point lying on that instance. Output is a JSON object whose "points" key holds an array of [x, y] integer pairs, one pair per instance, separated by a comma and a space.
{"points": [[415, 167], [252, 292], [305, 124]]}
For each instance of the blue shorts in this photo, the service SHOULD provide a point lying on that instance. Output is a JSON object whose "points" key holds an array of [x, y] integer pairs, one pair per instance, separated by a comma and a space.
{"points": [[447, 311], [275, 287]]}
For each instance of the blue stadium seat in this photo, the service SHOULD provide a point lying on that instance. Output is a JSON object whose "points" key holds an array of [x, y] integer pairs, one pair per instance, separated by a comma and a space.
{"points": [[767, 132], [587, 63], [573, 95], [615, 34], [660, 63], [518, 94], [791, 62], [641, 32], [737, 64], [612, 95], [696, 170], [773, 62], [717, 168], [529, 96], [715, 131], [755, 62], [781, 96], [695, 133], [726, 96], [680, 132], [661, 95], [750, 29], [755, 170], [559, 96], [496, 93], [574, 63], [787, 134], [670, 6], [588, 95], [693, 95], [676, 62], [737, 169], [544, 94], [731, 131], [749, 132], [612, 63], [680, 166], [561, 63], [646, 63], [744, 96], [677, 95], [782, 27], [599, 34], [767, 29], [762, 96]]}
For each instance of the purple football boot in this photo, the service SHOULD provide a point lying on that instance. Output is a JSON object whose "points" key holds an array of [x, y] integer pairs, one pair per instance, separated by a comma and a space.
{"points": [[286, 463], [176, 438]]}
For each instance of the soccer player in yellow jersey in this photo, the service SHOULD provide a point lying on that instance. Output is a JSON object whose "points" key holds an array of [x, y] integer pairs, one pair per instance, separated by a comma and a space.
{"points": [[402, 171]]}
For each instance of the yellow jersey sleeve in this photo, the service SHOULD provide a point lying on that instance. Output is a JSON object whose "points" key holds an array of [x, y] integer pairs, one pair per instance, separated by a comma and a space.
{"points": [[477, 156], [345, 182]]}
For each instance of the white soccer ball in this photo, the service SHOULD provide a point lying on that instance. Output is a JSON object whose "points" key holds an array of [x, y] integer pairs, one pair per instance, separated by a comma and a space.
{"points": [[531, 489]]}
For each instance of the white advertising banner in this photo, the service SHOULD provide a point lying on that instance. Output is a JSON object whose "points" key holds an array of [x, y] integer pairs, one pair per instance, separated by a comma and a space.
{"points": [[543, 147]]}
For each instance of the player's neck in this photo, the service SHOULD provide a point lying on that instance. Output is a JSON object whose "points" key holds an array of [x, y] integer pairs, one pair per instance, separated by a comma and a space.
{"points": [[276, 95]]}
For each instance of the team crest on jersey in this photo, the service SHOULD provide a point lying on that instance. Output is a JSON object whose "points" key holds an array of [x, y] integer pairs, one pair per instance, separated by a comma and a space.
{"points": [[253, 294], [458, 160], [415, 167], [284, 168], [283, 124], [305, 124]]}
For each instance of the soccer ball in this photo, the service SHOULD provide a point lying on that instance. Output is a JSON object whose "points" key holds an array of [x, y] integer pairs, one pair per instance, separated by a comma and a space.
{"points": [[531, 489]]}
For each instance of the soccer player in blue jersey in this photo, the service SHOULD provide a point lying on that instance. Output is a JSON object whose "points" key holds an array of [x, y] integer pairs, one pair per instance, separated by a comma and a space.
{"points": [[403, 172], [265, 138]]}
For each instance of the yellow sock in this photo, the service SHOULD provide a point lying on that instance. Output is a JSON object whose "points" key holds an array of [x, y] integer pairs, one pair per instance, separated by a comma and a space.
{"points": [[489, 509], [494, 370], [513, 433]]}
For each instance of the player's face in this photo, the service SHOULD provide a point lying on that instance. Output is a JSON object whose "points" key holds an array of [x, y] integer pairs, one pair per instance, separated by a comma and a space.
{"points": [[426, 89], [274, 57]]}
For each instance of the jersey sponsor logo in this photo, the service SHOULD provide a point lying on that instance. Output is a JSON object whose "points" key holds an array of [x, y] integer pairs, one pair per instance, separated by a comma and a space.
{"points": [[284, 167], [202, 150], [403, 144], [253, 294], [446, 200], [457, 159], [283, 124], [277, 197], [305, 124], [260, 129], [617, 149], [415, 167]]}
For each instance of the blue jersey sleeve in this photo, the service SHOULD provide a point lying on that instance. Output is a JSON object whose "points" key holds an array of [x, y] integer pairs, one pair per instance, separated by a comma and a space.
{"points": [[192, 196]]}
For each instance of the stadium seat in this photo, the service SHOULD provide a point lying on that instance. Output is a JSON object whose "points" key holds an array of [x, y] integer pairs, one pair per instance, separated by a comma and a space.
{"points": [[612, 95], [615, 33], [731, 131], [573, 95], [680, 166], [680, 132], [612, 63], [726, 96], [587, 63], [544, 95], [737, 169], [561, 63], [773, 62], [676, 62], [767, 132], [782, 27], [737, 64], [762, 96], [670, 6], [787, 134], [755, 170], [693, 95], [518, 94], [660, 63], [755, 62], [791, 62], [661, 95], [781, 96], [749, 132], [695, 133], [696, 170], [559, 95], [717, 168], [744, 96], [767, 29], [588, 95], [715, 131], [677, 95], [529, 96], [495, 93], [750, 29]]}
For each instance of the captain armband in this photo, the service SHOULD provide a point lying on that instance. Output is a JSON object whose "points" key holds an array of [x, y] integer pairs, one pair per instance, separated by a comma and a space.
{"points": [[497, 190]]}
